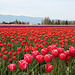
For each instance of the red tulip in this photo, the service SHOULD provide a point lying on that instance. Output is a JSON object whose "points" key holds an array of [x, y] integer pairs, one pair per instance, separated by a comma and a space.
{"points": [[67, 58], [55, 53], [4, 44], [51, 47], [23, 64], [6, 52], [4, 57], [44, 51], [14, 53], [11, 37], [48, 67], [17, 53], [12, 45], [1, 54], [60, 50], [12, 50], [66, 53], [9, 44], [14, 57], [1, 44], [72, 51], [40, 58], [16, 42], [27, 49], [10, 53], [35, 53], [10, 60], [28, 58], [21, 44], [12, 67], [19, 48], [12, 40], [48, 57], [62, 56], [3, 49]]}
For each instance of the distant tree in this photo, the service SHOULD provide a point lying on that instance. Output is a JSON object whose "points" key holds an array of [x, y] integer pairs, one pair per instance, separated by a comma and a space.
{"points": [[53, 22], [22, 22], [11, 23], [58, 22], [38, 23], [70, 22], [4, 22], [74, 22], [66, 22], [19, 22], [46, 21], [27, 22], [63, 22], [42, 22], [15, 22]]}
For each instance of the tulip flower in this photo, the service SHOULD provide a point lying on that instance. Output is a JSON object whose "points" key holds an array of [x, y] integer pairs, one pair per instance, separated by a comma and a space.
{"points": [[9, 44], [67, 53], [44, 51], [12, 67], [14, 53], [48, 57], [51, 47], [62, 56], [72, 51], [35, 53], [1, 54], [6, 52], [55, 53], [23, 64], [28, 58], [60, 50], [67, 58], [4, 57], [48, 67], [10, 53], [14, 57], [10, 60], [3, 49], [19, 48], [40, 58]]}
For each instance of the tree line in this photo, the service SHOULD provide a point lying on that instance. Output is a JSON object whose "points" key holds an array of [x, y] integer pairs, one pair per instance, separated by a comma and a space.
{"points": [[47, 21], [15, 22]]}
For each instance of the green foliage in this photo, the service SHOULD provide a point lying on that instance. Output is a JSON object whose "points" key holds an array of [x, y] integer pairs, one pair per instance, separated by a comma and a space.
{"points": [[15, 22]]}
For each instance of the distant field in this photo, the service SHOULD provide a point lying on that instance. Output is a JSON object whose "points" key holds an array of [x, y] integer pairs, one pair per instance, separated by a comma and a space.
{"points": [[17, 25]]}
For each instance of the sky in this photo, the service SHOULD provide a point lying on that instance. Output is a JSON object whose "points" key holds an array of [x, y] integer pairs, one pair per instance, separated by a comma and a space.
{"points": [[54, 9]]}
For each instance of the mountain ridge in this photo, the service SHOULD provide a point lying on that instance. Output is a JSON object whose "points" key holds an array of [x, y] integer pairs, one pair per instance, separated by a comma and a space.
{"points": [[11, 18]]}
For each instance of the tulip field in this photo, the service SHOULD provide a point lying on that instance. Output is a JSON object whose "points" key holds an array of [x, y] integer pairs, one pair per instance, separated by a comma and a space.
{"points": [[37, 51]]}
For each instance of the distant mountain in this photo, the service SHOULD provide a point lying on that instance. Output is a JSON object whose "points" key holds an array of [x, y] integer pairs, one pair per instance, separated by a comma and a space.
{"points": [[11, 18]]}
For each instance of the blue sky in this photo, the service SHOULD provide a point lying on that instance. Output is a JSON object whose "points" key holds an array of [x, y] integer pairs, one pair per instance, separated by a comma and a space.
{"points": [[55, 9]]}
